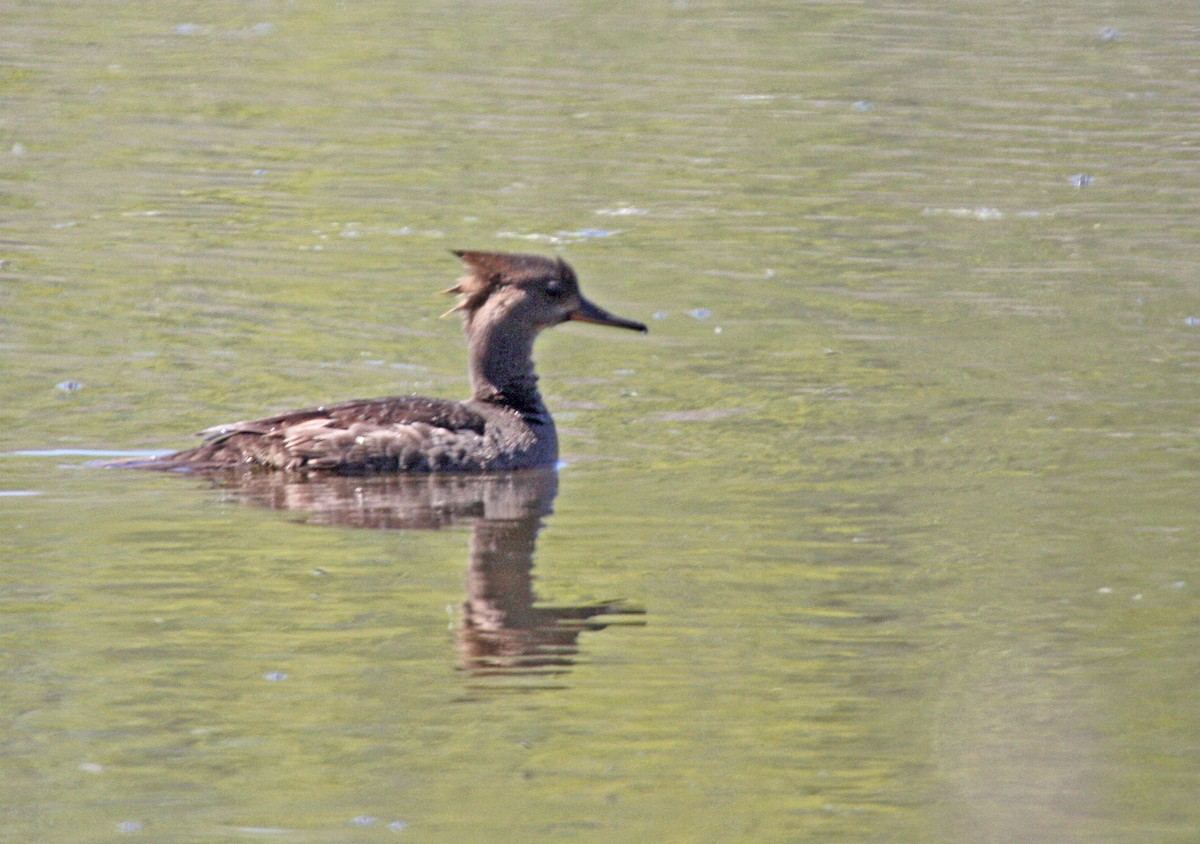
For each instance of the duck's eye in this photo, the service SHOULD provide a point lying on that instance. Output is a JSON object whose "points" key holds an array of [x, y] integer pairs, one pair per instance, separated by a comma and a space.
{"points": [[555, 289]]}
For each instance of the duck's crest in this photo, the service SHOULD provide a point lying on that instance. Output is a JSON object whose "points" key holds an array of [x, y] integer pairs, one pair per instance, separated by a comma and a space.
{"points": [[488, 271]]}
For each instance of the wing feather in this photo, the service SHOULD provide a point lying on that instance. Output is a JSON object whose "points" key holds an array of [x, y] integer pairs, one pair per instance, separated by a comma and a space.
{"points": [[399, 433]]}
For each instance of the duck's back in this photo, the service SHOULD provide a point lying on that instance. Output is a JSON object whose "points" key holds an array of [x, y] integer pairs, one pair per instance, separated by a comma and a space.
{"points": [[394, 434]]}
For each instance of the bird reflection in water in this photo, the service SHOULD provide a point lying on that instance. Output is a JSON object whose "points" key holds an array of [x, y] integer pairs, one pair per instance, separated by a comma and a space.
{"points": [[503, 630]]}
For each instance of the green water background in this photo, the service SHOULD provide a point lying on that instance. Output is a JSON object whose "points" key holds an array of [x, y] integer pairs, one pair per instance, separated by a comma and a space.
{"points": [[905, 475]]}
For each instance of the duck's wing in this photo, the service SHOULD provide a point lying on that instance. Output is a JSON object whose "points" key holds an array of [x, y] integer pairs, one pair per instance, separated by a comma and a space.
{"points": [[395, 434], [385, 412]]}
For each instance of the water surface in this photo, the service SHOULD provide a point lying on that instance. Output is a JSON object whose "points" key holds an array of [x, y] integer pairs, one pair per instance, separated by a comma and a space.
{"points": [[889, 525]]}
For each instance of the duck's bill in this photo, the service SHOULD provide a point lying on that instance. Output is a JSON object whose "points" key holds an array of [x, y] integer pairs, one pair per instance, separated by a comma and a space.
{"points": [[587, 312]]}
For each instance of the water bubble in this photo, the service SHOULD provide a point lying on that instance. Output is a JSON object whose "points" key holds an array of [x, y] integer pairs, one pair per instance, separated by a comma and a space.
{"points": [[1080, 180], [364, 820], [700, 313], [621, 211], [129, 826], [275, 676], [1191, 321], [1109, 34], [69, 386]]}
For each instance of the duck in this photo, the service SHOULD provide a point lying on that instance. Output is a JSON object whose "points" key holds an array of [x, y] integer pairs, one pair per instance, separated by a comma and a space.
{"points": [[506, 300]]}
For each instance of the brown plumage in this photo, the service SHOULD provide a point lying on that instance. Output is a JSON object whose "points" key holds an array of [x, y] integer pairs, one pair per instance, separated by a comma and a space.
{"points": [[506, 301]]}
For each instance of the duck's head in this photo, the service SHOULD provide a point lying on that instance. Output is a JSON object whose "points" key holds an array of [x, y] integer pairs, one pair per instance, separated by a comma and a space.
{"points": [[526, 292]]}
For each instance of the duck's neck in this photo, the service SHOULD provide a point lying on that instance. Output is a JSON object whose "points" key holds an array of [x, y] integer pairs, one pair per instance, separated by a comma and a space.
{"points": [[501, 365]]}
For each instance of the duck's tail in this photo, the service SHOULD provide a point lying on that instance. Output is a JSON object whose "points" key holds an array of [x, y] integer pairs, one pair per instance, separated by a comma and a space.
{"points": [[203, 457]]}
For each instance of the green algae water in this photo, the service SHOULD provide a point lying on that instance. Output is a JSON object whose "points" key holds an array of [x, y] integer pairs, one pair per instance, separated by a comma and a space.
{"points": [[886, 532]]}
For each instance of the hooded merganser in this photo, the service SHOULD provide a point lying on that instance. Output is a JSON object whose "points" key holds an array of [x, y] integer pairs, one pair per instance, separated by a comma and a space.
{"points": [[506, 301]]}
